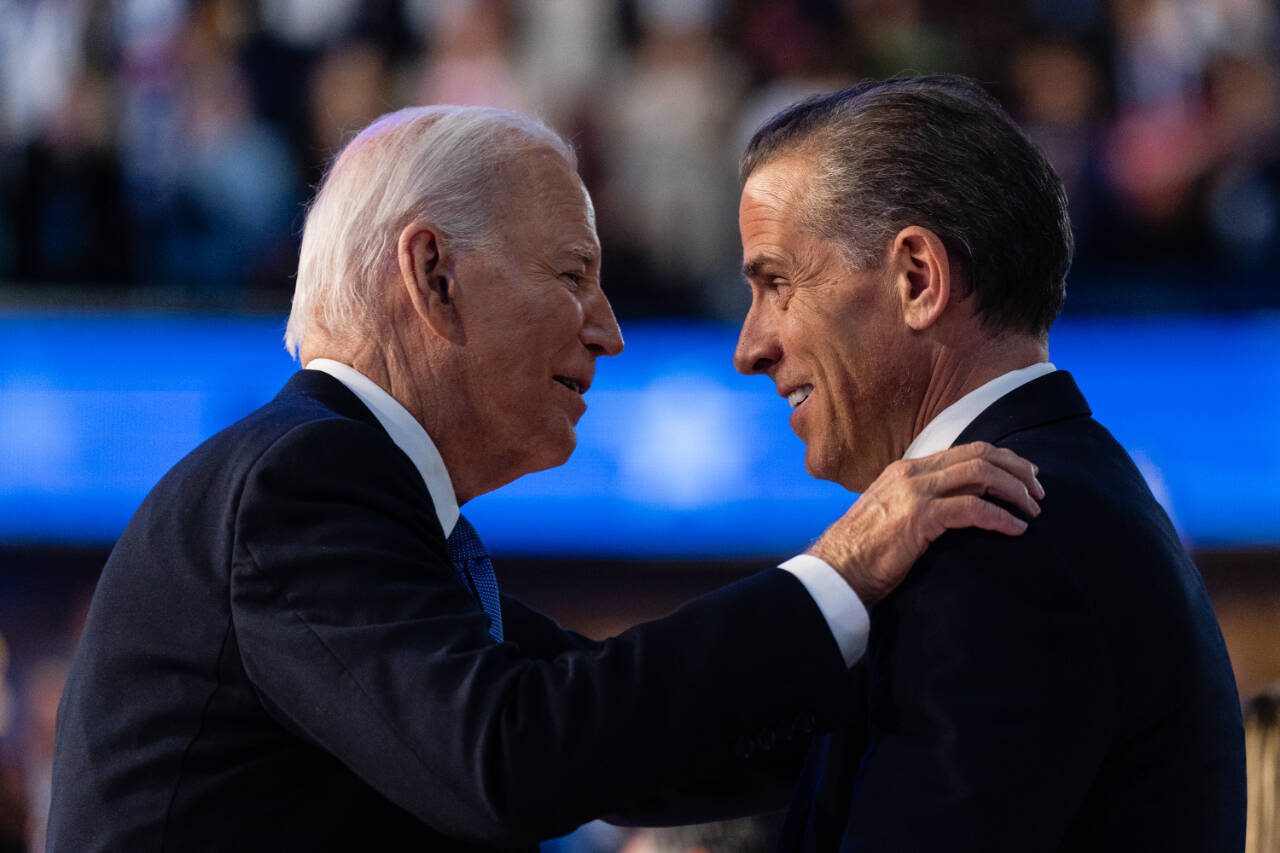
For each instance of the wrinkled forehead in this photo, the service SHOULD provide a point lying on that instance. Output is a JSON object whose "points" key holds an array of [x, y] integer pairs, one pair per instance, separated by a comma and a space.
{"points": [[546, 204], [783, 183]]}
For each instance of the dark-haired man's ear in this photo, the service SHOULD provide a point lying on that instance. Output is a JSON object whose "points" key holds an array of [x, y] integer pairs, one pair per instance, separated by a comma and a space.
{"points": [[922, 276], [427, 273]]}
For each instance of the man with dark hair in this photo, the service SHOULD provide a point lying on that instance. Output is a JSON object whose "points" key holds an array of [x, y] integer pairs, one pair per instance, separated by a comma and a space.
{"points": [[906, 248], [299, 642]]}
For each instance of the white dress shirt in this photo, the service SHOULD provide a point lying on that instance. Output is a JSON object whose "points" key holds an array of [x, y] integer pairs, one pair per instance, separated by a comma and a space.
{"points": [[405, 431], [844, 611], [942, 432], [840, 606]]}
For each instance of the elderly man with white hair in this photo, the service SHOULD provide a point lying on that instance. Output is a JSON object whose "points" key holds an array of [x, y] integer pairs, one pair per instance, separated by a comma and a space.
{"points": [[299, 643]]}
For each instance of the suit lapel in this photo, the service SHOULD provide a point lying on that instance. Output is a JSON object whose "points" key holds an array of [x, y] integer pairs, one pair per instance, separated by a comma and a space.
{"points": [[1052, 397]]}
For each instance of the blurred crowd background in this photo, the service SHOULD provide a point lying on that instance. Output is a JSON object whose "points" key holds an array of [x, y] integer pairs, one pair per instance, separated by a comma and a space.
{"points": [[172, 144], [161, 152]]}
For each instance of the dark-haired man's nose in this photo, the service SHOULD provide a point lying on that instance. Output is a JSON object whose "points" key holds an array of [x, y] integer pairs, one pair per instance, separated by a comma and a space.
{"points": [[758, 348]]}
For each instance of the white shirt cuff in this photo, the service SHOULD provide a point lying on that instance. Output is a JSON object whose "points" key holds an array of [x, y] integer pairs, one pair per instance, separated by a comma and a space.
{"points": [[845, 613]]}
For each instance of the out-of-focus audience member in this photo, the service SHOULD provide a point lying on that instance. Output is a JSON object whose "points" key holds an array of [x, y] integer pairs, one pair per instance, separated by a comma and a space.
{"points": [[897, 36], [161, 143], [42, 692], [13, 804], [349, 88], [1243, 196], [758, 834], [13, 809], [669, 181], [470, 56], [237, 193], [1262, 754], [6, 692], [566, 48], [1059, 91]]}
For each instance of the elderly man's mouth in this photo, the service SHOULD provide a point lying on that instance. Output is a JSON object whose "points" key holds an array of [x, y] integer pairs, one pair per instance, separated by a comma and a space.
{"points": [[572, 384]]}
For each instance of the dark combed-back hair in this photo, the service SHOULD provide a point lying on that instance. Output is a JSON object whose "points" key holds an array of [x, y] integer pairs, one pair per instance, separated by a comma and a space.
{"points": [[940, 153]]}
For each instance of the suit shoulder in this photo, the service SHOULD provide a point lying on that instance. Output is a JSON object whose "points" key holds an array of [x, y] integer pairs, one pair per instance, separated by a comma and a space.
{"points": [[338, 440], [1005, 573], [1099, 521], [1085, 463], [209, 480], [286, 420], [1098, 507]]}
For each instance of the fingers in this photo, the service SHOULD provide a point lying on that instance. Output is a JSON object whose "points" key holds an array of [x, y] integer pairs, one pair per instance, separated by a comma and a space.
{"points": [[1015, 465], [913, 502], [980, 477], [1001, 457], [972, 511]]}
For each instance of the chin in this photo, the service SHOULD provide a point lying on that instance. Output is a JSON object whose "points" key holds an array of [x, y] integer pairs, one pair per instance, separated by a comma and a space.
{"points": [[555, 453], [832, 465], [822, 466]]}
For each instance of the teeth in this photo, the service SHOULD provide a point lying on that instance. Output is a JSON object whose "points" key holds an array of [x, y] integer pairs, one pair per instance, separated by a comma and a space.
{"points": [[799, 395]]}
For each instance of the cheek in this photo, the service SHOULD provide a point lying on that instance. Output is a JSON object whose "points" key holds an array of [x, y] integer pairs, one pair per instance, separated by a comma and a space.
{"points": [[852, 399], [842, 375]]}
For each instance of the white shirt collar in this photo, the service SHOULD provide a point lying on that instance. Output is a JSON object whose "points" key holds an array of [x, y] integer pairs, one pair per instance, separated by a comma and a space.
{"points": [[942, 432], [405, 431]]}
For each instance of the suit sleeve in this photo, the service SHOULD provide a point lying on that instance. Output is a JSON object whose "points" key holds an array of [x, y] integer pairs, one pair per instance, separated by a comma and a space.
{"points": [[763, 780], [359, 638], [991, 702], [539, 636]]}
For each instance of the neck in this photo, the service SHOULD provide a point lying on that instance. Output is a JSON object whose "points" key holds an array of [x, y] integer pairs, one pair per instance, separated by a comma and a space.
{"points": [[426, 384], [958, 371]]}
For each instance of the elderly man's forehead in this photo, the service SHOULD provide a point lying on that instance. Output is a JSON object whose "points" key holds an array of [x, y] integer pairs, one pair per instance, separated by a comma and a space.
{"points": [[586, 251], [535, 167], [541, 174], [591, 208], [545, 203]]}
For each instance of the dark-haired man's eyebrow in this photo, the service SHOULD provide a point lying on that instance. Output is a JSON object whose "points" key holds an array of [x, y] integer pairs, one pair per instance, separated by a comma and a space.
{"points": [[759, 267]]}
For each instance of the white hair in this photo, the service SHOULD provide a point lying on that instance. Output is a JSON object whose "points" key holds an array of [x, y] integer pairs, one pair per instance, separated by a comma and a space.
{"points": [[442, 163]]}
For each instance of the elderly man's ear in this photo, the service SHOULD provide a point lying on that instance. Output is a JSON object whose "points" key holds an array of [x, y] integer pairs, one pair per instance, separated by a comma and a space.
{"points": [[922, 276], [427, 272]]}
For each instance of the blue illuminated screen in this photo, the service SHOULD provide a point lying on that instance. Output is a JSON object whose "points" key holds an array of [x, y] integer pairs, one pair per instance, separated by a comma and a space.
{"points": [[678, 455]]}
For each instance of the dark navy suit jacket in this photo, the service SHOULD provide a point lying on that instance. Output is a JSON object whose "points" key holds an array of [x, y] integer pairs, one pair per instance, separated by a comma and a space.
{"points": [[279, 656], [1068, 690]]}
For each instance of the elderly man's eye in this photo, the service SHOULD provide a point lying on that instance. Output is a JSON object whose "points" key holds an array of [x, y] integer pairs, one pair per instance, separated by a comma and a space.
{"points": [[573, 278]]}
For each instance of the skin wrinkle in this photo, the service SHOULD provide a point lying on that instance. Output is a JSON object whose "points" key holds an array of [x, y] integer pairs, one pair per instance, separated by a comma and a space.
{"points": [[886, 349], [424, 169], [925, 152], [517, 316], [827, 319]]}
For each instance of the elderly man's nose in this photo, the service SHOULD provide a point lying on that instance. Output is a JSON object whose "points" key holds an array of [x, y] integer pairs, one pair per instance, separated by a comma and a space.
{"points": [[600, 330]]}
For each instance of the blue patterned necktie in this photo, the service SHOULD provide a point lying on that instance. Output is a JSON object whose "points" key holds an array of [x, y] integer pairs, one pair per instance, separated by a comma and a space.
{"points": [[475, 569]]}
